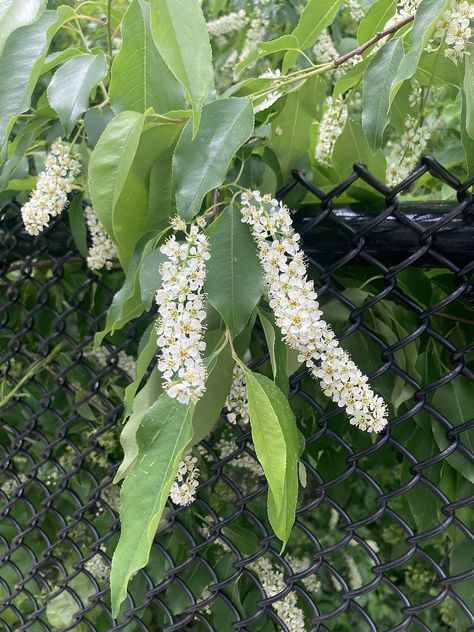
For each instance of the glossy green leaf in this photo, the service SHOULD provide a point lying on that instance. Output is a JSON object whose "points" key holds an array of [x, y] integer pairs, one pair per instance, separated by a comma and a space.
{"points": [[291, 129], [95, 122], [426, 18], [352, 147], [234, 279], [147, 350], [200, 164], [275, 438], [434, 69], [276, 349], [150, 277], [375, 19], [56, 59], [139, 77], [110, 164], [150, 167], [219, 380], [469, 88], [467, 141], [316, 15], [263, 49], [77, 224], [454, 400], [180, 33], [69, 89], [17, 13], [378, 81], [21, 63], [142, 403], [162, 437], [127, 303]]}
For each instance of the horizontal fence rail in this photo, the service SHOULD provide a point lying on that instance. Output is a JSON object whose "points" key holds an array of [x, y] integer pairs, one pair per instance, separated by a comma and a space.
{"points": [[384, 532]]}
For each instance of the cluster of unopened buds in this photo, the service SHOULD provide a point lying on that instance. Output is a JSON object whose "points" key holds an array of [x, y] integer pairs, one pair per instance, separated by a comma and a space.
{"points": [[181, 312], [293, 300], [183, 490], [49, 197], [227, 23]]}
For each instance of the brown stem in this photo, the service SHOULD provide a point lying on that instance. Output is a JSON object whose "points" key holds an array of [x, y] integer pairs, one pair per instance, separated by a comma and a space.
{"points": [[378, 36], [457, 319]]}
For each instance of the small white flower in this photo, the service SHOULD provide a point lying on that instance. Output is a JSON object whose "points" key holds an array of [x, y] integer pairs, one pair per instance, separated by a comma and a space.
{"points": [[405, 153], [294, 302], [236, 404], [49, 198]]}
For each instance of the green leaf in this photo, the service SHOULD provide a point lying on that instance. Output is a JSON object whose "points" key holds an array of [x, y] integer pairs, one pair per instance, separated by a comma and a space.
{"points": [[262, 49], [162, 437], [454, 401], [201, 164], [95, 122], [426, 19], [434, 69], [69, 89], [127, 303], [110, 163], [375, 19], [219, 380], [468, 86], [180, 33], [352, 146], [21, 64], [316, 15], [56, 59], [139, 77], [147, 349], [291, 129], [275, 438], [150, 277], [276, 349], [142, 403], [467, 141], [234, 278], [77, 224], [17, 13], [377, 85]]}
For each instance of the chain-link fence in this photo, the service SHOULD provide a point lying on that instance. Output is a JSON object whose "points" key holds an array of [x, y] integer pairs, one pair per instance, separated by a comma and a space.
{"points": [[384, 535]]}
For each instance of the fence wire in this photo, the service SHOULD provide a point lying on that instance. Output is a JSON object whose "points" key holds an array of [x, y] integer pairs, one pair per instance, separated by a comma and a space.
{"points": [[384, 535]]}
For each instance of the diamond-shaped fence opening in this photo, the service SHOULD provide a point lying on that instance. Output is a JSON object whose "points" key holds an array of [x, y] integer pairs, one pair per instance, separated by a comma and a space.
{"points": [[384, 535]]}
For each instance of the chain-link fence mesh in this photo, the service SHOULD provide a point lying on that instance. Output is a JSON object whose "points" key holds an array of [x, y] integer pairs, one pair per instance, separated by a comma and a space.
{"points": [[383, 538]]}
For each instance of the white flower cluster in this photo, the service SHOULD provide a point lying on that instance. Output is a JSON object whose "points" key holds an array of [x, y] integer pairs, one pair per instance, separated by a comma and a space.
{"points": [[98, 567], [405, 8], [125, 362], [404, 155], [294, 302], [227, 23], [236, 404], [325, 51], [298, 565], [183, 490], [102, 251], [273, 582], [245, 461], [355, 10], [49, 198], [455, 28], [330, 128], [255, 34], [181, 312]]}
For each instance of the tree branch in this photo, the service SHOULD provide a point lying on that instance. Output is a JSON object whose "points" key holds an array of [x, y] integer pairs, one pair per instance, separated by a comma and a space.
{"points": [[378, 36]]}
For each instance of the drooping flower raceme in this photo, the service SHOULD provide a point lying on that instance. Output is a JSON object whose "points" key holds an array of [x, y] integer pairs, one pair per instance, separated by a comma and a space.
{"points": [[49, 198], [183, 490], [330, 128], [294, 301], [102, 251], [227, 23], [181, 313], [404, 155], [236, 404]]}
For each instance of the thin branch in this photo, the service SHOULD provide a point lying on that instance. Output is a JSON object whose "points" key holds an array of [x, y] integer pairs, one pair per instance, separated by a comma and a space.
{"points": [[456, 319], [378, 36]]}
